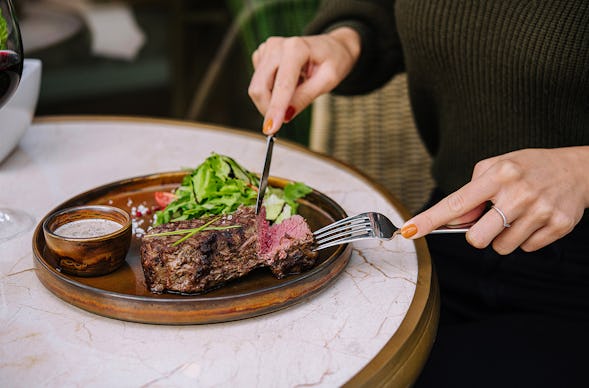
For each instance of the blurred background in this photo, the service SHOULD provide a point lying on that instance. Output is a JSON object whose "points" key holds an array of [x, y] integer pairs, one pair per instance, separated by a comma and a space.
{"points": [[191, 60], [182, 59]]}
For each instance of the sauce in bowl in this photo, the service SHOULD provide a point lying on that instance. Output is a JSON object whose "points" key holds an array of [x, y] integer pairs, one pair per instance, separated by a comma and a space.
{"points": [[87, 228], [88, 240]]}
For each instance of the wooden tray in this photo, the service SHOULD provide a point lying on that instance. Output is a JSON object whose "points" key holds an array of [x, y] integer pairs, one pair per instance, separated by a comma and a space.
{"points": [[124, 295]]}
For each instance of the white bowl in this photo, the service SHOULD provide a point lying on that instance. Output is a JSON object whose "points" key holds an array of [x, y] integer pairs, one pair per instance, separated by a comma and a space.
{"points": [[16, 115]]}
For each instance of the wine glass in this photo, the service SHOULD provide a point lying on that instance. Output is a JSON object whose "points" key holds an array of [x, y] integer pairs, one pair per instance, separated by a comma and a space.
{"points": [[12, 221]]}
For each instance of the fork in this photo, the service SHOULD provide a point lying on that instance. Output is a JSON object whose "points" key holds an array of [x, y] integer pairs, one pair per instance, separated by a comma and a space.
{"points": [[367, 226]]}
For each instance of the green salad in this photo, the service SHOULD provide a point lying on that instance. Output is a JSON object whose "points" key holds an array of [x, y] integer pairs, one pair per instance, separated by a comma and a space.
{"points": [[219, 186]]}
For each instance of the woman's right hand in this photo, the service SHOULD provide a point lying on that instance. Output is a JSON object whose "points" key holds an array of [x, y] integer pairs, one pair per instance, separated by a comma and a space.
{"points": [[291, 72]]}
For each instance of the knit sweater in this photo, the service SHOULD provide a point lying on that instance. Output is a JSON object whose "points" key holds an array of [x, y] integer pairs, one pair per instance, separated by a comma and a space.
{"points": [[485, 77]]}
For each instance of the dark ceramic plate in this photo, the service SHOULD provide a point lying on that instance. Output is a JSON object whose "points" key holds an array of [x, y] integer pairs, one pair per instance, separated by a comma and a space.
{"points": [[124, 295]]}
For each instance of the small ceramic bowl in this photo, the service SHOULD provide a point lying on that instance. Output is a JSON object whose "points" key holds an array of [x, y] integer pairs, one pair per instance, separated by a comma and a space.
{"points": [[88, 240]]}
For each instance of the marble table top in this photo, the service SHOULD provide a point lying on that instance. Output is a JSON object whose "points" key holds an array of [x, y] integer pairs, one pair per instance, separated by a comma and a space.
{"points": [[366, 316]]}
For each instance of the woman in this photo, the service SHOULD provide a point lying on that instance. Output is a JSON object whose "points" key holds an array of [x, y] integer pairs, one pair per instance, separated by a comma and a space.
{"points": [[500, 95]]}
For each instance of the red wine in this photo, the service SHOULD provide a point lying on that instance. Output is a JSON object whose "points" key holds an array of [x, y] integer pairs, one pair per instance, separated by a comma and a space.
{"points": [[10, 72]]}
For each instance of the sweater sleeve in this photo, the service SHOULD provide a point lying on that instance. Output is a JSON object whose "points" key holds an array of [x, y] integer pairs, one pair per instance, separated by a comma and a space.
{"points": [[381, 55]]}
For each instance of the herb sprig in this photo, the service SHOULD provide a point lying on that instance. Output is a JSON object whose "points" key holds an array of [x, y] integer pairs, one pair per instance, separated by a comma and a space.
{"points": [[192, 231]]}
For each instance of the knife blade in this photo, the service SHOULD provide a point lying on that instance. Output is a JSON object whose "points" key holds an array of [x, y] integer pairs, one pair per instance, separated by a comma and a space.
{"points": [[265, 172]]}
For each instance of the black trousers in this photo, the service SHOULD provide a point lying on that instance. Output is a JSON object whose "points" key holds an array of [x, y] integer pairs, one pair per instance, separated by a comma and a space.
{"points": [[520, 320]]}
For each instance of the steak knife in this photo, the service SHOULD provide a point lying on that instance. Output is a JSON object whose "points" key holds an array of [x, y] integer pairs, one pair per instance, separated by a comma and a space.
{"points": [[265, 172]]}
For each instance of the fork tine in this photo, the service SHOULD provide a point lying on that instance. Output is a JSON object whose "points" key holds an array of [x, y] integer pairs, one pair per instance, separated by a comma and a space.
{"points": [[340, 222], [357, 224], [343, 232], [362, 226], [358, 227], [343, 241]]}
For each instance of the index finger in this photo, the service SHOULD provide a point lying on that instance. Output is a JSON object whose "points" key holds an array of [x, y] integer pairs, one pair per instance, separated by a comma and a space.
{"points": [[285, 84]]}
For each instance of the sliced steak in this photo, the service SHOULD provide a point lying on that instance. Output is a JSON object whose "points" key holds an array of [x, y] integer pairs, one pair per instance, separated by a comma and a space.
{"points": [[210, 258], [288, 247]]}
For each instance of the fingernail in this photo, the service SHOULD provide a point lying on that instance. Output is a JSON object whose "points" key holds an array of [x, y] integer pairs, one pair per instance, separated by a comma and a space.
{"points": [[408, 231], [268, 126], [290, 111]]}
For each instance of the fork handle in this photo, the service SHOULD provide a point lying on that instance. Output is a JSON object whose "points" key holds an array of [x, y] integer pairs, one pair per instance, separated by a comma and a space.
{"points": [[460, 228]]}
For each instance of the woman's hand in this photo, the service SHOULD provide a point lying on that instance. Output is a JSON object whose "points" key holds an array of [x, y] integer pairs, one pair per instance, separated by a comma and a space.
{"points": [[542, 192], [291, 72]]}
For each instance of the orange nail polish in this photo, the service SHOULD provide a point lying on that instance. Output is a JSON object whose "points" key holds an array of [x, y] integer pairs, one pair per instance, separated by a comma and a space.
{"points": [[290, 111], [268, 126], [409, 230]]}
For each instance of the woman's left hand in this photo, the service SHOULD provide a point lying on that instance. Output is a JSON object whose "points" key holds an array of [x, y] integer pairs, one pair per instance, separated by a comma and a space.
{"points": [[542, 193]]}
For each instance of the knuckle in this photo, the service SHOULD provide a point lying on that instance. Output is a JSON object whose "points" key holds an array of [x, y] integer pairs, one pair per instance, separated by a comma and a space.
{"points": [[273, 41], [330, 76], [254, 91], [427, 221], [480, 167], [455, 203], [543, 211], [256, 58], [295, 43], [284, 85], [562, 223], [475, 240], [509, 171], [530, 246], [303, 99], [502, 248], [525, 195]]}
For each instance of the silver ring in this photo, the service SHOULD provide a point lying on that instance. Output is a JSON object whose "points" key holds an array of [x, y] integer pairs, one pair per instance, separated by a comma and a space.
{"points": [[505, 223]]}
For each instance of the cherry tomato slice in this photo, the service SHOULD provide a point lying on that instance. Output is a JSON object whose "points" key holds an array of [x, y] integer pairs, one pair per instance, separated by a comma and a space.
{"points": [[163, 198]]}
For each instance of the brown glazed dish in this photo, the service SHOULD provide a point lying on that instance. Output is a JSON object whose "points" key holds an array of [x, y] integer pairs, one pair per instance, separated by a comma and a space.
{"points": [[90, 253], [123, 294]]}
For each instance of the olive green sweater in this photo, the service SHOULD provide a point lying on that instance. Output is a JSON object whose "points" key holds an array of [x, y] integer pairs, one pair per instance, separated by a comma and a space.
{"points": [[485, 77]]}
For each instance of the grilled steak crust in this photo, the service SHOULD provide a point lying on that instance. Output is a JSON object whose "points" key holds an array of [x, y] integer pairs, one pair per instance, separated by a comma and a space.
{"points": [[210, 258], [204, 261]]}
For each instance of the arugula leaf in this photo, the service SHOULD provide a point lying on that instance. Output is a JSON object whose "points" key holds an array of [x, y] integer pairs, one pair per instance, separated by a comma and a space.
{"points": [[219, 185], [296, 190], [240, 172]]}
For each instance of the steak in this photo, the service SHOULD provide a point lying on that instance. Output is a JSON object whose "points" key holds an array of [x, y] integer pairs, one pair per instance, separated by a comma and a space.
{"points": [[211, 258]]}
